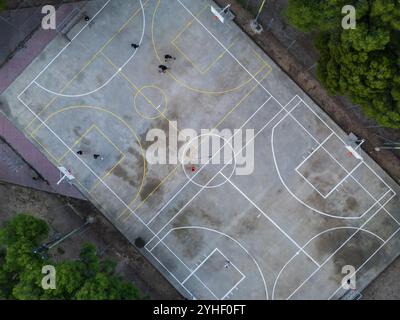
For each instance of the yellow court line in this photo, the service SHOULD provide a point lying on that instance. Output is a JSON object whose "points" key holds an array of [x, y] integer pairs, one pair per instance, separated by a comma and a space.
{"points": [[203, 72], [87, 64], [178, 165], [182, 83], [195, 90], [76, 142], [187, 58], [223, 54], [108, 139], [189, 23], [149, 195], [138, 90], [45, 149], [122, 158], [52, 100], [241, 100], [157, 109], [116, 117], [108, 173]]}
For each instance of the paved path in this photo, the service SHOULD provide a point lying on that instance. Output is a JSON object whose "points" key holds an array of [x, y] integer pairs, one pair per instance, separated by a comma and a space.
{"points": [[12, 168]]}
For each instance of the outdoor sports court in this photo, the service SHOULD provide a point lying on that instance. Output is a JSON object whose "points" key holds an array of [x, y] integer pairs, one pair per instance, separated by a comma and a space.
{"points": [[311, 206]]}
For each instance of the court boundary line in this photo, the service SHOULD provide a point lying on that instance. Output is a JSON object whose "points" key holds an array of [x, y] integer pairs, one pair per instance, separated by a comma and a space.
{"points": [[271, 96], [337, 250], [221, 234], [204, 166], [292, 193], [193, 273], [341, 165], [367, 260], [98, 52], [312, 239]]}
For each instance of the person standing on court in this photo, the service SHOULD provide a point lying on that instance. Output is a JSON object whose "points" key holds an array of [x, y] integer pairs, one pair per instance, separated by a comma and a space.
{"points": [[168, 57], [162, 68]]}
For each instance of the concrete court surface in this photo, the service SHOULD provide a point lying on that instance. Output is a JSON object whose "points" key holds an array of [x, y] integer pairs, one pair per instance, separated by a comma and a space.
{"points": [[283, 231]]}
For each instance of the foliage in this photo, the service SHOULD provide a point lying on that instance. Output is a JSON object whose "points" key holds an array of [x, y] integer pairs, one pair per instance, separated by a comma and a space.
{"points": [[362, 63], [3, 5], [21, 269]]}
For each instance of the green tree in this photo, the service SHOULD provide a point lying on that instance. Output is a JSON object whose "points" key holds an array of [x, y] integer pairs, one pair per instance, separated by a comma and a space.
{"points": [[361, 63], [21, 276], [3, 5]]}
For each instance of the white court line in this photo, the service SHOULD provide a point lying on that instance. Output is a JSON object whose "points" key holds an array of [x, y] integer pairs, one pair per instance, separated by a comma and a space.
{"points": [[176, 279], [233, 288], [226, 258], [203, 166], [344, 179], [270, 219], [345, 143], [229, 237], [308, 242], [184, 264], [204, 261], [310, 184], [331, 256], [111, 78], [227, 51], [204, 187], [62, 50], [362, 186], [366, 261], [86, 164], [314, 151], [81, 159]]}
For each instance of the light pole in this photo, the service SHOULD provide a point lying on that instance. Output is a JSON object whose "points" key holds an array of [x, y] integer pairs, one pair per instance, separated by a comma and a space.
{"points": [[44, 248], [255, 26], [389, 146]]}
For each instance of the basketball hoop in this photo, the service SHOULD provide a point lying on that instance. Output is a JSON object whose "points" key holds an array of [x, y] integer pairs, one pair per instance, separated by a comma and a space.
{"points": [[353, 152], [220, 15], [65, 174]]}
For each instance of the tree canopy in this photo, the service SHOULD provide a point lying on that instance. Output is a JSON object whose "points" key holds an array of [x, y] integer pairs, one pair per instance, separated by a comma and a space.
{"points": [[87, 278], [361, 63]]}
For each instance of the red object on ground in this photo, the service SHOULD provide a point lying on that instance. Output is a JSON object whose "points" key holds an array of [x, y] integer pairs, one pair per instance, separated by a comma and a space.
{"points": [[193, 169]]}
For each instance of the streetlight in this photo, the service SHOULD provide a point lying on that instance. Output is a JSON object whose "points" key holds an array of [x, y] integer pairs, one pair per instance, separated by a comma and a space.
{"points": [[45, 247], [255, 26], [388, 146]]}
